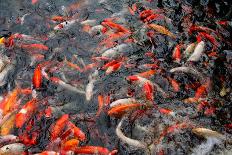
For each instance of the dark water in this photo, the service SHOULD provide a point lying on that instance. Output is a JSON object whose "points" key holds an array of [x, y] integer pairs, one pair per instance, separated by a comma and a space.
{"points": [[79, 47]]}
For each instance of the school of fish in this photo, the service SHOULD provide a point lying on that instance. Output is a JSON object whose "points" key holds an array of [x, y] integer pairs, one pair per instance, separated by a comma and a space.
{"points": [[133, 82]]}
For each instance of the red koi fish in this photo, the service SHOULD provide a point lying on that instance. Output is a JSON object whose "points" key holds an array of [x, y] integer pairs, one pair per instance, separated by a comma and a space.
{"points": [[148, 89], [37, 77], [202, 90], [166, 111], [59, 126], [94, 150], [34, 1], [25, 113]]}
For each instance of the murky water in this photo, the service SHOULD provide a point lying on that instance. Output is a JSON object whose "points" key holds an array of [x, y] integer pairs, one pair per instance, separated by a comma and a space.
{"points": [[67, 57]]}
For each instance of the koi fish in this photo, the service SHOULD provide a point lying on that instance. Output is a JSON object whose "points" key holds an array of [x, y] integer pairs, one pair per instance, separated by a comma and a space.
{"points": [[175, 84], [2, 40], [72, 65], [190, 48], [161, 30], [202, 90], [147, 74], [70, 145], [166, 111], [34, 47], [122, 101], [59, 126], [197, 52], [13, 149], [6, 127], [176, 55], [9, 102], [115, 26], [94, 150], [122, 109], [7, 139], [26, 111], [207, 133], [65, 85], [78, 133], [113, 68], [100, 104], [89, 88], [47, 153], [37, 77], [148, 90], [66, 24]]}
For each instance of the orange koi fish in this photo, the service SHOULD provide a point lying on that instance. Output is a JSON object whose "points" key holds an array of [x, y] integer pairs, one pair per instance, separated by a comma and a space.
{"points": [[146, 13], [115, 26], [118, 111], [37, 77], [78, 133], [94, 150], [8, 103], [58, 18], [161, 30], [59, 126], [100, 104], [176, 55], [70, 145], [147, 74], [26, 111], [48, 153], [34, 47]]}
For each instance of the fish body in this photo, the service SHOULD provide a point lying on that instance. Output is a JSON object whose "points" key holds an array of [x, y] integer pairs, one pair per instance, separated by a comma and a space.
{"points": [[37, 77], [198, 51]]}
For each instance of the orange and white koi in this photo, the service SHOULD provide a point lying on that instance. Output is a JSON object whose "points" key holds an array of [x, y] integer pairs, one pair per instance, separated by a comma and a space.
{"points": [[37, 77], [66, 24], [122, 101], [161, 30], [58, 127], [94, 150], [26, 112], [113, 68]]}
